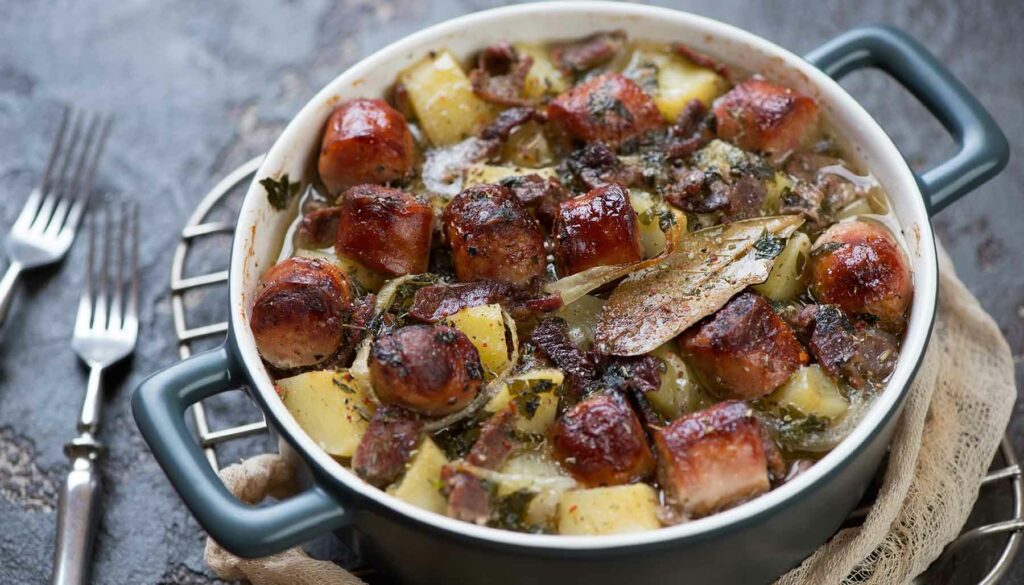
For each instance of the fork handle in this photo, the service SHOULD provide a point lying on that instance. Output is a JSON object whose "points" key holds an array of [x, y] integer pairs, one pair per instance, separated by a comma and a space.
{"points": [[7, 288], [78, 512]]}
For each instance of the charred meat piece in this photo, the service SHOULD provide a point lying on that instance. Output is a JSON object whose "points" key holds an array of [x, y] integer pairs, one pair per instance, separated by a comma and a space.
{"points": [[319, 229], [690, 133], [631, 374], [435, 302], [540, 194], [429, 369], [579, 56], [469, 498], [596, 229], [493, 237], [715, 459], [804, 199], [859, 266], [551, 338], [859, 353], [601, 442], [595, 165], [760, 115], [366, 141], [500, 75], [385, 229], [609, 108], [743, 351], [300, 313], [697, 191], [701, 59], [387, 445]]}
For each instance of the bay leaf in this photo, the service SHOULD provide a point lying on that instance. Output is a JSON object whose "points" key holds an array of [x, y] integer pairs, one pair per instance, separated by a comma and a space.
{"points": [[703, 272]]}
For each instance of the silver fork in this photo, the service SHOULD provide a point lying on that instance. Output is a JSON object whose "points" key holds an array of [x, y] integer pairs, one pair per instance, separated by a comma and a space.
{"points": [[106, 330], [47, 224]]}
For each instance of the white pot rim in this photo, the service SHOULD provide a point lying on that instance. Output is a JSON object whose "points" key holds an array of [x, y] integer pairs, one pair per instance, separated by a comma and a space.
{"points": [[900, 183]]}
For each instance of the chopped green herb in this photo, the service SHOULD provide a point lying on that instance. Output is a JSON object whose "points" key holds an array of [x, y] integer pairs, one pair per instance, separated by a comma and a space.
{"points": [[511, 511], [768, 246], [280, 191]]}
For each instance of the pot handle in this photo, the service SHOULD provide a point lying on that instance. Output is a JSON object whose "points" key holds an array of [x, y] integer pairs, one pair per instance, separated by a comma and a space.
{"points": [[982, 150], [159, 405]]}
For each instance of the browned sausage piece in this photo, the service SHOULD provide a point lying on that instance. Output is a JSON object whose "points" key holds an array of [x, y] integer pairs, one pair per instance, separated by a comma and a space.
{"points": [[859, 266], [430, 369], [493, 237], [596, 229], [601, 442], [299, 316], [366, 141], [609, 108], [761, 115], [387, 445], [714, 459], [386, 229], [745, 350]]}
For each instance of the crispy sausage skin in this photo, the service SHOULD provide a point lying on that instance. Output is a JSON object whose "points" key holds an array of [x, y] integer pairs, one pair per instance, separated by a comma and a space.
{"points": [[386, 229], [743, 351], [601, 442], [366, 141], [715, 458], [609, 108], [858, 266], [493, 237], [299, 316], [599, 228], [760, 115], [430, 369]]}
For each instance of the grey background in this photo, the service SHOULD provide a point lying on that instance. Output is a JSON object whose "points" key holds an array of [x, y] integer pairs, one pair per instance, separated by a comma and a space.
{"points": [[198, 87]]}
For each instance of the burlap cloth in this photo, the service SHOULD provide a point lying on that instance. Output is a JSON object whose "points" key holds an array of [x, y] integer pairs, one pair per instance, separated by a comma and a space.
{"points": [[955, 415]]}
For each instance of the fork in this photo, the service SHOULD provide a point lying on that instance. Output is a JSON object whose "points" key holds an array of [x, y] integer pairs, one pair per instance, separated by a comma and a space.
{"points": [[47, 223], [106, 330]]}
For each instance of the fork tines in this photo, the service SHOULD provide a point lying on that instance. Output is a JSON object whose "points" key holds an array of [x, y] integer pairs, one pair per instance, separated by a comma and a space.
{"points": [[110, 297], [57, 205]]}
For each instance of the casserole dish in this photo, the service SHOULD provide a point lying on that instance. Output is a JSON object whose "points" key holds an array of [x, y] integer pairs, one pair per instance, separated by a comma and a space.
{"points": [[771, 533]]}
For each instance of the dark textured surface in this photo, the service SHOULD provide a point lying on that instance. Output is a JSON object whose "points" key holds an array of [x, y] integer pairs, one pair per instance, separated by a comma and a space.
{"points": [[199, 87]]}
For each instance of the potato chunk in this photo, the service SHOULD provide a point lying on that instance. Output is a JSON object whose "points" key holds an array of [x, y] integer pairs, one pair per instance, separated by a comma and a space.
{"points": [[443, 99], [785, 281], [480, 174], [608, 510], [484, 325], [812, 393], [535, 394], [544, 78], [678, 80], [421, 485], [330, 406], [370, 280], [680, 392]]}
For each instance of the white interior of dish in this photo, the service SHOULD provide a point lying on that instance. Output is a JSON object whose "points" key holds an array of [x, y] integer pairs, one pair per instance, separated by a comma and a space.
{"points": [[260, 226]]}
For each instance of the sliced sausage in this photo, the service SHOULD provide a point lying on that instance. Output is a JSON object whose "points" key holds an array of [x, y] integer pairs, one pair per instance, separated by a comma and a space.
{"points": [[596, 229], [300, 313], [858, 266], [601, 442], [385, 229], [433, 370], [715, 458], [743, 351], [760, 115], [609, 108], [366, 141], [493, 237]]}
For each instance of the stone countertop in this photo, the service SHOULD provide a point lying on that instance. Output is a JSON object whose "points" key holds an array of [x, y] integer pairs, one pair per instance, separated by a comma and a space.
{"points": [[199, 87]]}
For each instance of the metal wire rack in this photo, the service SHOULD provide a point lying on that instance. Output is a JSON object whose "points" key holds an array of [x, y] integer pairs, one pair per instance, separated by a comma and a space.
{"points": [[227, 194]]}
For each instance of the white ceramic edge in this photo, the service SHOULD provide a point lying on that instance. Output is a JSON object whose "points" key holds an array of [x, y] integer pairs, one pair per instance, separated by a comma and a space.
{"points": [[888, 165]]}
